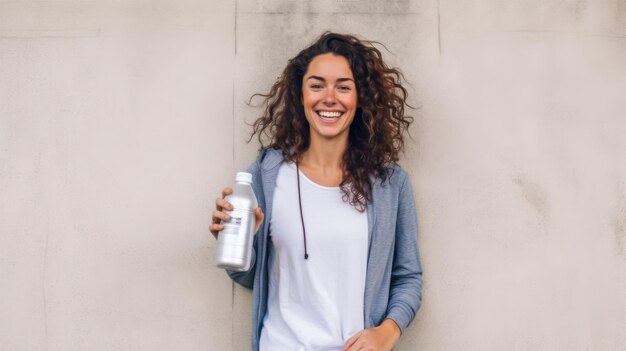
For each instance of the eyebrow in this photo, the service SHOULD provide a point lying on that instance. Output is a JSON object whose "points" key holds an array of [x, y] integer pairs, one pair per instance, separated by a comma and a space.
{"points": [[324, 80]]}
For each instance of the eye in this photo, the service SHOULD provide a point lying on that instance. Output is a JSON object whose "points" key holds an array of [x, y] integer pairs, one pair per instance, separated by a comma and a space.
{"points": [[345, 88], [316, 86]]}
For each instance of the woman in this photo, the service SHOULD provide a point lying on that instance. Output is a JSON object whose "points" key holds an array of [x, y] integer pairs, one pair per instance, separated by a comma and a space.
{"points": [[336, 263]]}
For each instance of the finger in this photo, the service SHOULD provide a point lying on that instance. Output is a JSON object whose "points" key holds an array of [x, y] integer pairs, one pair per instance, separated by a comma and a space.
{"points": [[215, 228], [356, 347], [219, 216], [226, 192], [351, 341], [258, 215], [223, 204]]}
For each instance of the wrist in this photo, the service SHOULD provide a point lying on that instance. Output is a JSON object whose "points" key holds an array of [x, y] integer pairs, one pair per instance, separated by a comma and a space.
{"points": [[392, 328]]}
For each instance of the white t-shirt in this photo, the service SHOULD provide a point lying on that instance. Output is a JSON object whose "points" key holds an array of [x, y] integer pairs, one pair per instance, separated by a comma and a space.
{"points": [[313, 304]]}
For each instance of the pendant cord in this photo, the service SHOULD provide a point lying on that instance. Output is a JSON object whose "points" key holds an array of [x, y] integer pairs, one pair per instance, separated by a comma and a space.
{"points": [[306, 254]]}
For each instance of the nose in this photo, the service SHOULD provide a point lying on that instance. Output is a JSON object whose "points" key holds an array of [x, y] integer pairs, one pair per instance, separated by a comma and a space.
{"points": [[329, 98]]}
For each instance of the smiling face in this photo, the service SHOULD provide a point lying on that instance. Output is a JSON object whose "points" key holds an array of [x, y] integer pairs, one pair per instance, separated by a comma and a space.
{"points": [[329, 97]]}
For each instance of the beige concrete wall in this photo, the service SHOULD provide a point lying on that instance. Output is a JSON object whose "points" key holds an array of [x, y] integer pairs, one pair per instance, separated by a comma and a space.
{"points": [[121, 121]]}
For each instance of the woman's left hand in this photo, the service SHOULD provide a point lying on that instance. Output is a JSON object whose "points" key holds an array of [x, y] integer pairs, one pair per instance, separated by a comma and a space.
{"points": [[381, 338]]}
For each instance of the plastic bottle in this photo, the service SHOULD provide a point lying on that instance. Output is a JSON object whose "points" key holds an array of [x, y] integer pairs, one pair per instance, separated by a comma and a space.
{"points": [[234, 242]]}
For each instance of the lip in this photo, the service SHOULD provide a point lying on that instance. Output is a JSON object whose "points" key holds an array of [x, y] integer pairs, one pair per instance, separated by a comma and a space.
{"points": [[329, 119]]}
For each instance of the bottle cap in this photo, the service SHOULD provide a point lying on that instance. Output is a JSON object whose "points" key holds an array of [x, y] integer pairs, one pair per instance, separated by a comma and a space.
{"points": [[244, 177]]}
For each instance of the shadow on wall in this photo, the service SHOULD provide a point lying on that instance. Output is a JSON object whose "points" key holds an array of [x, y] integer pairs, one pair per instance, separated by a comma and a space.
{"points": [[535, 195]]}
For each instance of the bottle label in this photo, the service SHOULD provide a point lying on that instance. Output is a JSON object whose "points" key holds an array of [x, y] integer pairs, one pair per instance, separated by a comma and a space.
{"points": [[236, 230], [234, 221]]}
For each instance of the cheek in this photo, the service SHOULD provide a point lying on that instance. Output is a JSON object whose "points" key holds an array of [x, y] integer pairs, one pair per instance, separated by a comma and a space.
{"points": [[352, 102], [308, 100]]}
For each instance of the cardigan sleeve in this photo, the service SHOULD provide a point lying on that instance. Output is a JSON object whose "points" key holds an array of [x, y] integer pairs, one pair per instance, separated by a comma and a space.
{"points": [[405, 294]]}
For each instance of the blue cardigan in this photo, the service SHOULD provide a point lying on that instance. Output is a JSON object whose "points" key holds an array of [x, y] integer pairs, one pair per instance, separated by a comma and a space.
{"points": [[393, 283]]}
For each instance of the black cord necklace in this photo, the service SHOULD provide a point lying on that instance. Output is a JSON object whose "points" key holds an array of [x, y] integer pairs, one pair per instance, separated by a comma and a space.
{"points": [[306, 254]]}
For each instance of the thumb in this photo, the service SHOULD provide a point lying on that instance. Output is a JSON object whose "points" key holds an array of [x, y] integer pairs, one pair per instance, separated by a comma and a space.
{"points": [[258, 215]]}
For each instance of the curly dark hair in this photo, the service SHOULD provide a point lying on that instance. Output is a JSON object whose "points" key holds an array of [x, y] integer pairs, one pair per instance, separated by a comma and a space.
{"points": [[376, 133]]}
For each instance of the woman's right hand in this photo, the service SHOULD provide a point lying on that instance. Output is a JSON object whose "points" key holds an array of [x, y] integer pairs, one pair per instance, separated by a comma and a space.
{"points": [[218, 215]]}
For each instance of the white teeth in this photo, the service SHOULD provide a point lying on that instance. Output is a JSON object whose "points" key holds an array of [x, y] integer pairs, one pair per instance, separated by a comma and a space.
{"points": [[329, 114]]}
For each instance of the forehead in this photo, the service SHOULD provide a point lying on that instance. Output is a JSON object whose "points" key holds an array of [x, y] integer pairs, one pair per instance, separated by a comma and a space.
{"points": [[329, 66]]}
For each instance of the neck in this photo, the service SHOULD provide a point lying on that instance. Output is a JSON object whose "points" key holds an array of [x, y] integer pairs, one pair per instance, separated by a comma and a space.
{"points": [[325, 154]]}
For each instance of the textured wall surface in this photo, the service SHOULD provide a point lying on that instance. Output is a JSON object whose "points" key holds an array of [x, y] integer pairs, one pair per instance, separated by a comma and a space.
{"points": [[120, 122]]}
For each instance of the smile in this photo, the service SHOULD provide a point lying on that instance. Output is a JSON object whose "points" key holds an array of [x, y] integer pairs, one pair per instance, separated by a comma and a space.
{"points": [[329, 116]]}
